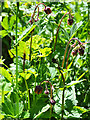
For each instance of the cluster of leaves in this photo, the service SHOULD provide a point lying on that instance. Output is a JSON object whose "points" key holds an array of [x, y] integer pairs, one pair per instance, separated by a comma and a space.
{"points": [[15, 101]]}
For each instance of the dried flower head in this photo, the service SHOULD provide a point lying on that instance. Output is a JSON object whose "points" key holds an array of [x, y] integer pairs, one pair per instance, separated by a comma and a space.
{"points": [[38, 89]]}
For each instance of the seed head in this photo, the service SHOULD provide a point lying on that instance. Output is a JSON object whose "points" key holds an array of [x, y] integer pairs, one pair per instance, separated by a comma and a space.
{"points": [[38, 89]]}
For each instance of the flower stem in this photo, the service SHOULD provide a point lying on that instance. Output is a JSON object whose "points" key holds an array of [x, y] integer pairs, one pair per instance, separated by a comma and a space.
{"points": [[66, 68], [68, 56], [58, 29], [36, 8], [67, 48]]}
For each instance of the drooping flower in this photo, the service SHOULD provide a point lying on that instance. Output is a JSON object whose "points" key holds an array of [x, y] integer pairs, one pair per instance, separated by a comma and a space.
{"points": [[52, 101], [47, 10], [38, 89]]}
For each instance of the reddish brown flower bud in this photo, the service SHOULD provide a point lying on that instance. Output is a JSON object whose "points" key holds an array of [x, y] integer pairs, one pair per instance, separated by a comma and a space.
{"points": [[46, 91], [38, 89], [81, 51], [47, 10], [70, 21], [52, 102], [74, 53]]}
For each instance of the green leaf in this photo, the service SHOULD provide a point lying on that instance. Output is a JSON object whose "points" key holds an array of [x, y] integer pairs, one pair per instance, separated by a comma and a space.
{"points": [[5, 23], [74, 29], [45, 52], [80, 109], [82, 75], [65, 33], [26, 114], [5, 73], [26, 32], [12, 19], [53, 72], [44, 109], [73, 83], [3, 33], [25, 75], [10, 108]]}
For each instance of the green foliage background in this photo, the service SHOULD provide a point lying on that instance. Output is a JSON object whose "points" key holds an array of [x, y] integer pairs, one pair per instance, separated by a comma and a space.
{"points": [[41, 67]]}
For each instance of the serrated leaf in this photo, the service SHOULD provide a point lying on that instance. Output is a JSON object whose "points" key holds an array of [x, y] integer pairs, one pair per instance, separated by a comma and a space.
{"points": [[10, 109]]}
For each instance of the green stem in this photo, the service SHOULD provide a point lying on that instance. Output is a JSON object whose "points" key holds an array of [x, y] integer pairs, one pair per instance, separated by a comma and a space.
{"points": [[30, 46], [16, 47], [28, 94], [17, 56], [63, 104]]}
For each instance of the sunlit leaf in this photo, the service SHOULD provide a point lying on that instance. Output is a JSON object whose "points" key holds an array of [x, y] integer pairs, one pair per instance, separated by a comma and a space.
{"points": [[5, 23], [5, 73]]}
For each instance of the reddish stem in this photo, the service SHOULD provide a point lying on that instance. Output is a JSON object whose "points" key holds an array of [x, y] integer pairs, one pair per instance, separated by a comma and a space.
{"points": [[66, 49], [36, 8], [58, 29], [47, 81]]}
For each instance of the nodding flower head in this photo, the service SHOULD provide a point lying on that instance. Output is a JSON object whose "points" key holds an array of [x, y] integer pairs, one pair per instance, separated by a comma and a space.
{"points": [[47, 10], [38, 89], [81, 51], [74, 52], [46, 91], [70, 20], [52, 101]]}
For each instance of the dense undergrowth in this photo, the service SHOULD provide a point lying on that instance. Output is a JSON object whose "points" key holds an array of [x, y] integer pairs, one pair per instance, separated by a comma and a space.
{"points": [[45, 62]]}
